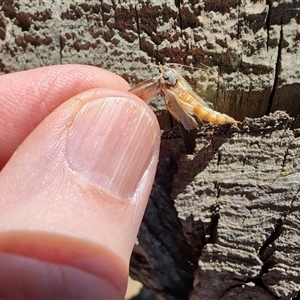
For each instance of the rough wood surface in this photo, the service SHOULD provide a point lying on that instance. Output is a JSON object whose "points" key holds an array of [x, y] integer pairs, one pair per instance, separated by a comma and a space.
{"points": [[223, 222], [251, 48]]}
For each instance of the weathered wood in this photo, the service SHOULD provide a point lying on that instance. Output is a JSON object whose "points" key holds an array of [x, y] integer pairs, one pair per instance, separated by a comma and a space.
{"points": [[223, 222], [252, 49]]}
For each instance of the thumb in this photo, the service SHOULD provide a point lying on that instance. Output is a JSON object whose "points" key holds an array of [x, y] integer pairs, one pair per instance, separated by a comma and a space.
{"points": [[72, 198]]}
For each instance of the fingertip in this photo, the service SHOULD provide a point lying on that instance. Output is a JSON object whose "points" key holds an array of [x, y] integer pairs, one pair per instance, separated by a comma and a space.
{"points": [[84, 173], [93, 160]]}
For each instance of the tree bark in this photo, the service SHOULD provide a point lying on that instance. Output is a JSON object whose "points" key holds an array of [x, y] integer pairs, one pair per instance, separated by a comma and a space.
{"points": [[223, 222], [251, 49]]}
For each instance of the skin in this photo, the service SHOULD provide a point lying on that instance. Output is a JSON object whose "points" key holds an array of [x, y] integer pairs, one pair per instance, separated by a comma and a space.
{"points": [[69, 214]]}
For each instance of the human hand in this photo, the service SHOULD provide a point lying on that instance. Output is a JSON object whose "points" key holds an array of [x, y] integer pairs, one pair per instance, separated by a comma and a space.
{"points": [[79, 155]]}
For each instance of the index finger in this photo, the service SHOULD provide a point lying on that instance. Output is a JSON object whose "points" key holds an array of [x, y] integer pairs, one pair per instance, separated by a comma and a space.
{"points": [[27, 97]]}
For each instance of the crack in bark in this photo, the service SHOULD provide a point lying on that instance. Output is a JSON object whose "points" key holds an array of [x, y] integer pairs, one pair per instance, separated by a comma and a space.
{"points": [[177, 4], [138, 26], [268, 23], [273, 236], [60, 49], [213, 227], [238, 31], [278, 61]]}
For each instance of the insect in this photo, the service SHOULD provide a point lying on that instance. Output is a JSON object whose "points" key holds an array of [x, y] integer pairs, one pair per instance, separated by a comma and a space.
{"points": [[183, 104]]}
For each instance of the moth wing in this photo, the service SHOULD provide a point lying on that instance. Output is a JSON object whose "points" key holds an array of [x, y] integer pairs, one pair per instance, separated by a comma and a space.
{"points": [[147, 89], [185, 117]]}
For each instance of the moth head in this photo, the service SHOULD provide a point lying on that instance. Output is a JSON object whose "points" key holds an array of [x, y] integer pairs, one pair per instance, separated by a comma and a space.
{"points": [[169, 76]]}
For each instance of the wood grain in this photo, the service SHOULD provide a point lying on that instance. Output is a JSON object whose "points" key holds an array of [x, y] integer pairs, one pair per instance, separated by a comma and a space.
{"points": [[251, 49], [223, 222]]}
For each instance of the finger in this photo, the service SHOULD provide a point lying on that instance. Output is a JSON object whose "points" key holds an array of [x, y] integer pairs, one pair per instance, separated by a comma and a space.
{"points": [[28, 97], [74, 193]]}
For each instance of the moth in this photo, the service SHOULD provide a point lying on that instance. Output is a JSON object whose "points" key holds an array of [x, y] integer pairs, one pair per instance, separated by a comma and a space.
{"points": [[181, 101]]}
